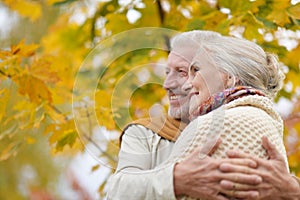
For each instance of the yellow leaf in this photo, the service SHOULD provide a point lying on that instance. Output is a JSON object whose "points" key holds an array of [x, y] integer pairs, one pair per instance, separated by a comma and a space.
{"points": [[26, 8], [252, 25], [28, 114], [235, 6], [103, 98], [4, 54], [61, 94], [30, 140], [294, 11], [50, 129], [10, 150], [294, 160], [96, 167], [294, 78], [104, 110], [106, 118], [40, 69], [63, 135], [117, 18], [54, 114], [51, 2], [279, 14], [292, 58], [4, 95], [23, 49], [33, 87], [38, 117]]}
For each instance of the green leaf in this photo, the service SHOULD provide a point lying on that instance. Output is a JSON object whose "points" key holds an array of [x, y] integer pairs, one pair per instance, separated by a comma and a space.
{"points": [[267, 23], [63, 2], [195, 24], [235, 6], [68, 138]]}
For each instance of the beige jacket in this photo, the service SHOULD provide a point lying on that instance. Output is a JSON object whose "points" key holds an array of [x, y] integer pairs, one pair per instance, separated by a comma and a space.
{"points": [[146, 161], [137, 176]]}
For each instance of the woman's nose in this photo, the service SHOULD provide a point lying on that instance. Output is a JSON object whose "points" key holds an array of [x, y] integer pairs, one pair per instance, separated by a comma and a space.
{"points": [[187, 85]]}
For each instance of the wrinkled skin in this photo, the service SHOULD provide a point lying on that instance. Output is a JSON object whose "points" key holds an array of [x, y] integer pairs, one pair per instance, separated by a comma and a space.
{"points": [[277, 183], [200, 177]]}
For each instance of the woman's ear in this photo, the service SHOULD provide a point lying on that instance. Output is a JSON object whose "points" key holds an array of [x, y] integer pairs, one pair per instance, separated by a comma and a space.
{"points": [[231, 81]]}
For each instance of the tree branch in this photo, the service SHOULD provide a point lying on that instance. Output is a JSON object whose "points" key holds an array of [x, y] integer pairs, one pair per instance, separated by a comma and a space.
{"points": [[4, 74], [160, 12]]}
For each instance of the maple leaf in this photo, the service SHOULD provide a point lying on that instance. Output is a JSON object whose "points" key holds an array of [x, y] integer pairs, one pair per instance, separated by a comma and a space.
{"points": [[24, 50], [33, 87], [41, 69]]}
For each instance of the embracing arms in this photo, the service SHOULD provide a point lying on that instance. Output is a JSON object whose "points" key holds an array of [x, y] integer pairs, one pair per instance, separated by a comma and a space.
{"points": [[277, 183]]}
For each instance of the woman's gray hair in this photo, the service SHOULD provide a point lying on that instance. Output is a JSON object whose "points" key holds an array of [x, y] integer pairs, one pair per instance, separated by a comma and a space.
{"points": [[246, 62]]}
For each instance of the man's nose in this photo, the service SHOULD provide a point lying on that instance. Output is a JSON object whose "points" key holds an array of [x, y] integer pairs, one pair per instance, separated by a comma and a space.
{"points": [[170, 82]]}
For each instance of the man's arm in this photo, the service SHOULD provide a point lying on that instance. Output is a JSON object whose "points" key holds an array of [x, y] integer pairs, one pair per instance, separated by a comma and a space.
{"points": [[277, 183], [136, 177], [199, 176]]}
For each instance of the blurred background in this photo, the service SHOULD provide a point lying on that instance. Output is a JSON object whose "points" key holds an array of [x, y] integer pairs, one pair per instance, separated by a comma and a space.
{"points": [[58, 142]]}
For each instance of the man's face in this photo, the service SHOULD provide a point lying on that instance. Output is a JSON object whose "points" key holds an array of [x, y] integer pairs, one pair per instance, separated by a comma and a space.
{"points": [[176, 75]]}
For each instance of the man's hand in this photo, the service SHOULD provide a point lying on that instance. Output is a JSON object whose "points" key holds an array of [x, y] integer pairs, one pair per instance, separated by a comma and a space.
{"points": [[199, 176], [277, 183]]}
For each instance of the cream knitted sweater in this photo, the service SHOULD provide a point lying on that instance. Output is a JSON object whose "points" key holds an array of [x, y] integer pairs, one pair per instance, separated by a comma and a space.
{"points": [[240, 125]]}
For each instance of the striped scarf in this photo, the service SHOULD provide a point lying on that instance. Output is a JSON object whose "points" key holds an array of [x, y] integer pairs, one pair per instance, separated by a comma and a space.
{"points": [[224, 97]]}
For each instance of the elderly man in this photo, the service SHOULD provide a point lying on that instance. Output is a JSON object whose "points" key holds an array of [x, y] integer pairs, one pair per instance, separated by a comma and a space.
{"points": [[148, 143]]}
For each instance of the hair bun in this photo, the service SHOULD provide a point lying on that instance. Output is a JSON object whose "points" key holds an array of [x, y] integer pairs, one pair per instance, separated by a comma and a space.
{"points": [[276, 77]]}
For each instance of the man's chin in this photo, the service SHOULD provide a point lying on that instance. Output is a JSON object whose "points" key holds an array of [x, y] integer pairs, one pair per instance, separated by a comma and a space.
{"points": [[177, 114], [174, 113]]}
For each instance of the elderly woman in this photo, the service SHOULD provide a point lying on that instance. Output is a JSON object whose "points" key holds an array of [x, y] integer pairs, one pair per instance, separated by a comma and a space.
{"points": [[232, 83]]}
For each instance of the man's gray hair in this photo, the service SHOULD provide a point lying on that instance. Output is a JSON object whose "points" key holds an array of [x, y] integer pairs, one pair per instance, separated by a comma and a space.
{"points": [[192, 39]]}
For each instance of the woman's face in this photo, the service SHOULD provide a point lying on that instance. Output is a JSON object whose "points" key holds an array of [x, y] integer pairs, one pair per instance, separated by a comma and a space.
{"points": [[204, 79]]}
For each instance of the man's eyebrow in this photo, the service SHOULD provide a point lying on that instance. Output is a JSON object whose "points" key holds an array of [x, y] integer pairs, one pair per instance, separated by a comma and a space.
{"points": [[180, 66]]}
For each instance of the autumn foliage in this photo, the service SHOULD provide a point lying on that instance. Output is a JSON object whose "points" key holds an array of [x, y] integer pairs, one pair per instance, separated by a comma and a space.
{"points": [[39, 79]]}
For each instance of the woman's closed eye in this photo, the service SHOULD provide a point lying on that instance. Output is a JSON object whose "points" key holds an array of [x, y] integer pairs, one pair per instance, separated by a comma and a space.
{"points": [[194, 69]]}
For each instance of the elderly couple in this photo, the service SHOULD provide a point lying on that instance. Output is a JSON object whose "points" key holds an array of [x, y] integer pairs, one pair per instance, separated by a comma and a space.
{"points": [[221, 140]]}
